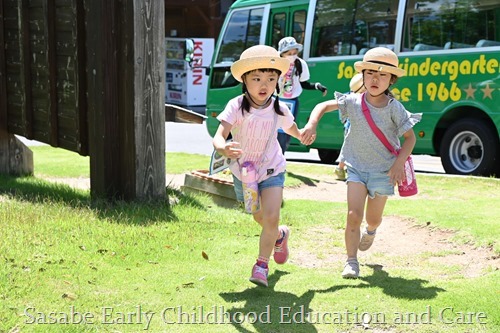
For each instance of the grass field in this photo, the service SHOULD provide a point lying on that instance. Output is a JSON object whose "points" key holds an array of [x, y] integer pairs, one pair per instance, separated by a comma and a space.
{"points": [[73, 265]]}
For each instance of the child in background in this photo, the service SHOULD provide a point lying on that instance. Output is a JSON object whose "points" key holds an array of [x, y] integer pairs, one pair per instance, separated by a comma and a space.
{"points": [[372, 171], [253, 119], [294, 81], [356, 87]]}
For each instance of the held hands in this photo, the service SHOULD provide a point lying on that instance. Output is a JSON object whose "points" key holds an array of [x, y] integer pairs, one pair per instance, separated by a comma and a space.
{"points": [[308, 134]]}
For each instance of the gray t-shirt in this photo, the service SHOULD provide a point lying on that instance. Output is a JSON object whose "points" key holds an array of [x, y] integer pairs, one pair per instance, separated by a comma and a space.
{"points": [[362, 149]]}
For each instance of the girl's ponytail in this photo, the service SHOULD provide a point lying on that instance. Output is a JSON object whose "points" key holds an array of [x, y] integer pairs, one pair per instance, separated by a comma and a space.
{"points": [[245, 103], [298, 67]]}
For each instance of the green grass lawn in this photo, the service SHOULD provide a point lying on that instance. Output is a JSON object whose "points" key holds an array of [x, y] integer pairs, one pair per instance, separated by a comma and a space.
{"points": [[73, 265]]}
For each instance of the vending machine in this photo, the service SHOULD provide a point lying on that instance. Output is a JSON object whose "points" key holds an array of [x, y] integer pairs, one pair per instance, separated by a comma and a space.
{"points": [[186, 81]]}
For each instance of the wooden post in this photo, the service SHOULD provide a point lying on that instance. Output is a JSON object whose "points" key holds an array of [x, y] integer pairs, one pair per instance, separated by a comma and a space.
{"points": [[126, 110], [15, 158]]}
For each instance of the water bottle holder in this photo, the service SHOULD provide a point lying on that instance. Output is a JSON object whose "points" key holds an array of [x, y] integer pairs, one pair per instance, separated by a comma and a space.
{"points": [[409, 185]]}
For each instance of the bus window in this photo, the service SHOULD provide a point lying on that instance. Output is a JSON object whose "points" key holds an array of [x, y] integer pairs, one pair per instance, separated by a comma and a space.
{"points": [[342, 29], [279, 28], [282, 27], [243, 31], [443, 24], [299, 25]]}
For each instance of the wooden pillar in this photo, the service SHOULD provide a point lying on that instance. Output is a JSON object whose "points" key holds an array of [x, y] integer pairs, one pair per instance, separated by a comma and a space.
{"points": [[15, 158], [125, 78]]}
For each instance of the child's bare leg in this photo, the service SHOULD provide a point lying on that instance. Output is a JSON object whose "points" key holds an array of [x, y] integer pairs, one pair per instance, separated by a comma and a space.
{"points": [[268, 217], [374, 210], [356, 197]]}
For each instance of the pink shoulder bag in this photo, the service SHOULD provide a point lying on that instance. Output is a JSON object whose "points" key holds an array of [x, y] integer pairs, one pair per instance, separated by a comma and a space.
{"points": [[408, 186]]}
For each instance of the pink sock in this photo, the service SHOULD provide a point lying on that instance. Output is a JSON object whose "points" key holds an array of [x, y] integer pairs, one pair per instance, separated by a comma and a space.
{"points": [[262, 262]]}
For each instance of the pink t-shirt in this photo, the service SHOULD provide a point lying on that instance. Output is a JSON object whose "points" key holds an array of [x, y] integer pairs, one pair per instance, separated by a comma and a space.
{"points": [[252, 130]]}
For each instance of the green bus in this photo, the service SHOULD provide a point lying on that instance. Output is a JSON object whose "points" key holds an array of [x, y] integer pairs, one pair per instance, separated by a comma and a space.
{"points": [[450, 50]]}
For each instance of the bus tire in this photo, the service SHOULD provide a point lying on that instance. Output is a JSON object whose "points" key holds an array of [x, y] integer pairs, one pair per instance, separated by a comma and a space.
{"points": [[328, 156], [470, 147]]}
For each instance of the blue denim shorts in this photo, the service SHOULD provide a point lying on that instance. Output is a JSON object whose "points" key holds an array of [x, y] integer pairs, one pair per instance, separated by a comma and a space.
{"points": [[274, 181], [375, 182]]}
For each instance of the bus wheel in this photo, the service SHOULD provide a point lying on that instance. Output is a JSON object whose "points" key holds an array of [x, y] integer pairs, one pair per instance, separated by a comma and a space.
{"points": [[470, 147], [328, 156]]}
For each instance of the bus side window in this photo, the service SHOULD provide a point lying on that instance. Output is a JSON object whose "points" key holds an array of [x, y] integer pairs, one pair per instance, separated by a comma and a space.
{"points": [[342, 29], [450, 25]]}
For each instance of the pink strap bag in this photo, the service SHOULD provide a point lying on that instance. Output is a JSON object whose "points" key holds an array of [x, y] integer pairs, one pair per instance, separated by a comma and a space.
{"points": [[408, 186]]}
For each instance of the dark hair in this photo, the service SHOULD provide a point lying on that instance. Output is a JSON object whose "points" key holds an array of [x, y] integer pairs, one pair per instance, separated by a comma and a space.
{"points": [[245, 103], [388, 92], [298, 67]]}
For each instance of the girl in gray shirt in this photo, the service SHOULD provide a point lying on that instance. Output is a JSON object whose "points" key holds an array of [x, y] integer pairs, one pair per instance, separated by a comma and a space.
{"points": [[372, 169]]}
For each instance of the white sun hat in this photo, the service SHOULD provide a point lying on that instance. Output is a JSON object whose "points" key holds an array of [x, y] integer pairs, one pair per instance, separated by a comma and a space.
{"points": [[287, 44]]}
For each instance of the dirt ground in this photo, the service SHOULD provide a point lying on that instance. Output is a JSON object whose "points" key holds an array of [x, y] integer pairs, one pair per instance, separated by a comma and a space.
{"points": [[398, 237]]}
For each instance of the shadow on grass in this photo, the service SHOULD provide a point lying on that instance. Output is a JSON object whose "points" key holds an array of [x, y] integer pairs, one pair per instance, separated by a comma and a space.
{"points": [[305, 180], [398, 287], [267, 309], [273, 309], [39, 191]]}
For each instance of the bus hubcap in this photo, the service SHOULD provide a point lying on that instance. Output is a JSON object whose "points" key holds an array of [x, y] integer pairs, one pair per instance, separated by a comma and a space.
{"points": [[466, 152]]}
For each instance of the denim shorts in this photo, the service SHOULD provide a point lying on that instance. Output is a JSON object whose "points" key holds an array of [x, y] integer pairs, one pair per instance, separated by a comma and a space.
{"points": [[375, 182], [274, 181]]}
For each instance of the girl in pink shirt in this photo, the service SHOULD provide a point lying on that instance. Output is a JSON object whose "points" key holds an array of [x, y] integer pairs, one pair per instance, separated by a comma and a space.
{"points": [[253, 120]]}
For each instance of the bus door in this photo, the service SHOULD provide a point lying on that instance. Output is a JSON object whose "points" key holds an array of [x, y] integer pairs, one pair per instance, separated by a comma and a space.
{"points": [[285, 22]]}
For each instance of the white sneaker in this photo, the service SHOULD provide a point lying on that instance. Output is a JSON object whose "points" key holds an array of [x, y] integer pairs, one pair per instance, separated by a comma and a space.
{"points": [[351, 269], [366, 240]]}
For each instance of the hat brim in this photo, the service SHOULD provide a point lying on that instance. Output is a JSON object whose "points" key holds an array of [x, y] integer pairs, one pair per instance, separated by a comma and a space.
{"points": [[297, 46], [362, 65], [242, 66], [357, 85]]}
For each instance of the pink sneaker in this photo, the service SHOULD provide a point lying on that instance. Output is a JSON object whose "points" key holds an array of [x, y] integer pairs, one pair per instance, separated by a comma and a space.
{"points": [[259, 275], [281, 249]]}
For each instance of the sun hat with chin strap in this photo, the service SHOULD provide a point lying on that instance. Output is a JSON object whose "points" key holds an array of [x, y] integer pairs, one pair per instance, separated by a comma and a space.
{"points": [[259, 57], [380, 59]]}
